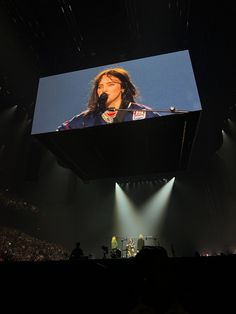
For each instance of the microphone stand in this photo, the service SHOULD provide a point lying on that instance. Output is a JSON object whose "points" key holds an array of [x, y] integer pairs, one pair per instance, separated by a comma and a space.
{"points": [[172, 109]]}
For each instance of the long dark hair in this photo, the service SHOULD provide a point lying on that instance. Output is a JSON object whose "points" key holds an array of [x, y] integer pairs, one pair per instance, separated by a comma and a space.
{"points": [[129, 94]]}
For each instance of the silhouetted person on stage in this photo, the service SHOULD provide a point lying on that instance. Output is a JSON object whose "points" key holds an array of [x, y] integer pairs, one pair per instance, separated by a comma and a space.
{"points": [[77, 252]]}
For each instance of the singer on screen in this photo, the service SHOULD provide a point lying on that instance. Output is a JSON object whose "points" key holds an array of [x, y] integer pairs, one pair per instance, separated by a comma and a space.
{"points": [[112, 100]]}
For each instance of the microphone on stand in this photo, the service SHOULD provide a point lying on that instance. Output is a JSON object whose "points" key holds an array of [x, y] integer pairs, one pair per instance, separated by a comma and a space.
{"points": [[102, 102]]}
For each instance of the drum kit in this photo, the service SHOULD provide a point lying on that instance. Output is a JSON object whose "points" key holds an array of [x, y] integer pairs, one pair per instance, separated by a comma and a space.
{"points": [[130, 248]]}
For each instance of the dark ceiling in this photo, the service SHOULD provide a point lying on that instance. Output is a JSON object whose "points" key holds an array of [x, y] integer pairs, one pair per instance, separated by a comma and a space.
{"points": [[65, 35], [45, 37]]}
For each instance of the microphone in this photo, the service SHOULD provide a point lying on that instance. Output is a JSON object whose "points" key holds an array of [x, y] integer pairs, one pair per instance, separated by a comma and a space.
{"points": [[102, 102]]}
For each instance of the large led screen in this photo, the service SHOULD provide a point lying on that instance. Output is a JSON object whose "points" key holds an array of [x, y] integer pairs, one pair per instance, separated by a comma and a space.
{"points": [[126, 91]]}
